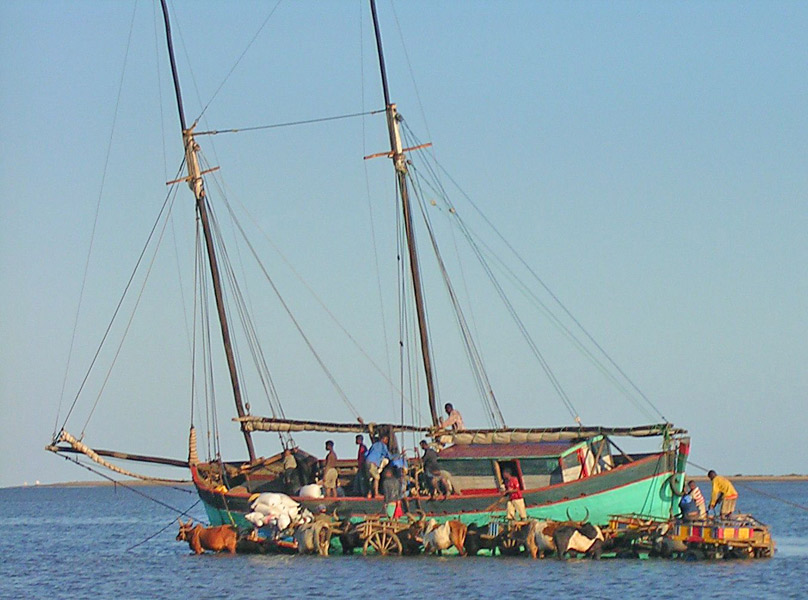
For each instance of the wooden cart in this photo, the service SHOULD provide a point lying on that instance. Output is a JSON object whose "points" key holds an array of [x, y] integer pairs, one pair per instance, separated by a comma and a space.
{"points": [[382, 534]]}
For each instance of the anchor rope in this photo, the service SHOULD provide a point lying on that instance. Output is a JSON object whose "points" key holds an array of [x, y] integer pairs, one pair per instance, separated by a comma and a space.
{"points": [[170, 523]]}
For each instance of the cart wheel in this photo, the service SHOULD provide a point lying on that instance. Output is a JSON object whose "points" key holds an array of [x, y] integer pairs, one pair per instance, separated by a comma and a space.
{"points": [[384, 543], [322, 533]]}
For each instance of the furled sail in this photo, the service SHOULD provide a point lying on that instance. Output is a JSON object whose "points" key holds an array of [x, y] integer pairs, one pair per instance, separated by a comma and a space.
{"points": [[466, 436]]}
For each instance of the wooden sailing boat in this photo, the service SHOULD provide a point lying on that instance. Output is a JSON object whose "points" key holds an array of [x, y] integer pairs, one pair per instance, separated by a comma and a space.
{"points": [[564, 471]]}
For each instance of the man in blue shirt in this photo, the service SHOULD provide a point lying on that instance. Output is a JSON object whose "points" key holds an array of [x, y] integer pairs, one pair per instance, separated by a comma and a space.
{"points": [[377, 452]]}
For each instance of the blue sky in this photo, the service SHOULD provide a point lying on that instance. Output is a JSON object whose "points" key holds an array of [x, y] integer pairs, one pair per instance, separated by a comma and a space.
{"points": [[647, 159]]}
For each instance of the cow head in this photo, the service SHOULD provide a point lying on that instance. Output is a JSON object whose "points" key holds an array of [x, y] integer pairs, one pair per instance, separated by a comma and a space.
{"points": [[185, 529]]}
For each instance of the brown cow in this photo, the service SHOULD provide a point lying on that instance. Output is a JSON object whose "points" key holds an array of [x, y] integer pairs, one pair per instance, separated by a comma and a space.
{"points": [[216, 539]]}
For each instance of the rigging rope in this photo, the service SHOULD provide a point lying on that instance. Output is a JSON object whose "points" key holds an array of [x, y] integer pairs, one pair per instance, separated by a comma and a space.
{"points": [[757, 491], [438, 188], [297, 325], [472, 352], [304, 282], [453, 214], [95, 222], [555, 298], [249, 328], [170, 523], [131, 318], [120, 301], [519, 323], [394, 391], [289, 124], [238, 60]]}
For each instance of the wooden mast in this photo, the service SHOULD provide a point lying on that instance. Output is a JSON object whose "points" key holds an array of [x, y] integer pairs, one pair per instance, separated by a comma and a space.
{"points": [[400, 164], [196, 184]]}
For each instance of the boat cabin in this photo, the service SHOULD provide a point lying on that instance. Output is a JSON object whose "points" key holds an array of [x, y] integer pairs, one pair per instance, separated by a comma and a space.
{"points": [[477, 468]]}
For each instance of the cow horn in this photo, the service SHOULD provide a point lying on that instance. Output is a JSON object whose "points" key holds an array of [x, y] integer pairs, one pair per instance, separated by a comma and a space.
{"points": [[586, 518], [569, 518]]}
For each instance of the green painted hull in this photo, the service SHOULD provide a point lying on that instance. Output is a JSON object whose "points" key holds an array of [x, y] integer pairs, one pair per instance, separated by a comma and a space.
{"points": [[642, 488]]}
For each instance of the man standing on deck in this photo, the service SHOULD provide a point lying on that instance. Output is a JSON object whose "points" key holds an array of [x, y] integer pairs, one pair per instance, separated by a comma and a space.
{"points": [[724, 492], [430, 462], [291, 480], [515, 500], [373, 459], [454, 421], [361, 481], [330, 471]]}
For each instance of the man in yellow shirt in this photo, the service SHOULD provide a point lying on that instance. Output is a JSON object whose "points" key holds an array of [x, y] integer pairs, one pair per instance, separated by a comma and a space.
{"points": [[724, 492]]}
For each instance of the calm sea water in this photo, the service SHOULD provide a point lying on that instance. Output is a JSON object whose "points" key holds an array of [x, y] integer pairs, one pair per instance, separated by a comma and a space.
{"points": [[75, 543]]}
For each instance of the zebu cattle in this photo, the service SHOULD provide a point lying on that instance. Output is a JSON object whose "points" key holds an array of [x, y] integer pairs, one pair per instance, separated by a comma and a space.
{"points": [[585, 539], [442, 537], [477, 539], [539, 540], [350, 538], [216, 539], [307, 536]]}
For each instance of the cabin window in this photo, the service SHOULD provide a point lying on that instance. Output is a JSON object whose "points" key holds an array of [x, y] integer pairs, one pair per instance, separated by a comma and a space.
{"points": [[466, 467], [570, 461], [539, 466]]}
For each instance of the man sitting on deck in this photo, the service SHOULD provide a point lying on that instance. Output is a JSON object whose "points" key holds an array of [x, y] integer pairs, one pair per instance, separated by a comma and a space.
{"points": [[454, 421], [724, 492], [515, 500]]}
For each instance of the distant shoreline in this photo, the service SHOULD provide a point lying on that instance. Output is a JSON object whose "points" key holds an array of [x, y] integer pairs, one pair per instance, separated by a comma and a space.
{"points": [[137, 483], [792, 477], [76, 484]]}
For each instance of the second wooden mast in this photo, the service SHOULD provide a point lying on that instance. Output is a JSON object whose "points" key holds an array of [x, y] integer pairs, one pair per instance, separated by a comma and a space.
{"points": [[400, 164], [196, 184]]}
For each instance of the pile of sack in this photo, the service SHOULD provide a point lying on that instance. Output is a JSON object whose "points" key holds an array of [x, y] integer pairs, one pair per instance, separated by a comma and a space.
{"points": [[276, 510]]}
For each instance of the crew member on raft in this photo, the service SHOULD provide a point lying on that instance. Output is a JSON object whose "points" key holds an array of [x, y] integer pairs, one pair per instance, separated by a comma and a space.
{"points": [[515, 500], [723, 492], [454, 421], [698, 498]]}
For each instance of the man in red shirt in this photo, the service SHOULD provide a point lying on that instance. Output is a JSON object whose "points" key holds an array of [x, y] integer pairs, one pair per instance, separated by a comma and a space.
{"points": [[515, 500]]}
